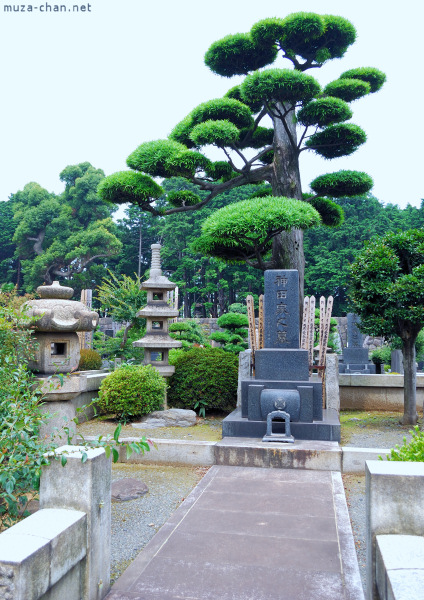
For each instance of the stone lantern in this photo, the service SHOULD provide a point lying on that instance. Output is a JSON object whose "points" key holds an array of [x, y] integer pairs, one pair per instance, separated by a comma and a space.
{"points": [[157, 341], [56, 319]]}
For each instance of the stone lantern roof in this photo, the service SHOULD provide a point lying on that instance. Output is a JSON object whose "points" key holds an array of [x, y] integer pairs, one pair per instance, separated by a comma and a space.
{"points": [[55, 311]]}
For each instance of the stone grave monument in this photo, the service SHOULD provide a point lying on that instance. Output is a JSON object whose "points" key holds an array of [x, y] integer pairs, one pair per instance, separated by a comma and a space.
{"points": [[355, 359], [282, 383]]}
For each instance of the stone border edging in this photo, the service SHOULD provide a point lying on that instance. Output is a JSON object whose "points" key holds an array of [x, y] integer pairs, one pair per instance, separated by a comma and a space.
{"points": [[202, 453]]}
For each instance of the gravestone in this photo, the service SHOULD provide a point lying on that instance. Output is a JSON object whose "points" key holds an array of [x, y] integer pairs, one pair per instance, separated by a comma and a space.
{"points": [[282, 380], [355, 356]]}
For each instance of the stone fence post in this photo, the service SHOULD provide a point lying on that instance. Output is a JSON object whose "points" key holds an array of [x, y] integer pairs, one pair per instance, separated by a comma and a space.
{"points": [[394, 505], [332, 393], [84, 487]]}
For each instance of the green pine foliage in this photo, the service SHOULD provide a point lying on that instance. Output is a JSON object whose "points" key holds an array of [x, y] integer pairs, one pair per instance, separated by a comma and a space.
{"points": [[126, 186], [371, 75], [347, 89], [208, 375], [337, 140], [232, 231], [223, 109], [331, 213], [188, 332], [131, 392], [238, 54], [217, 133], [342, 183], [234, 336], [323, 112], [283, 85]]}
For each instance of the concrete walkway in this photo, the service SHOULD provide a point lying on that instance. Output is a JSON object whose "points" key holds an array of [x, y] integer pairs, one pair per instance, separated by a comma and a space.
{"points": [[251, 534]]}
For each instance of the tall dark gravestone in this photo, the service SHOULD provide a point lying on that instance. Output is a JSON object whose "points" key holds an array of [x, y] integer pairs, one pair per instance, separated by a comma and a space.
{"points": [[282, 379], [355, 356]]}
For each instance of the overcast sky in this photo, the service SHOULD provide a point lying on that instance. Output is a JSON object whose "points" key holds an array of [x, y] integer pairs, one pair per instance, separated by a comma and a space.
{"points": [[93, 85]]}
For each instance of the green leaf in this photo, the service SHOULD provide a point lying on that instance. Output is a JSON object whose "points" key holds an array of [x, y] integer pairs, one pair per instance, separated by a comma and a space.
{"points": [[117, 432]]}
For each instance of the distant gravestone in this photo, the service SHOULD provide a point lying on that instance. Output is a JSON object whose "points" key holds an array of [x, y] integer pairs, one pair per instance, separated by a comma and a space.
{"points": [[355, 353]]}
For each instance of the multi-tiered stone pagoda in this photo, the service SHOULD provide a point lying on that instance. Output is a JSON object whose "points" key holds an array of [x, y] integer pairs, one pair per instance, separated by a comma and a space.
{"points": [[157, 341]]}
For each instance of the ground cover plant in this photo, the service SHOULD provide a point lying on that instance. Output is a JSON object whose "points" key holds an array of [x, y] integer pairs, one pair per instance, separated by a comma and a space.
{"points": [[22, 452], [412, 450]]}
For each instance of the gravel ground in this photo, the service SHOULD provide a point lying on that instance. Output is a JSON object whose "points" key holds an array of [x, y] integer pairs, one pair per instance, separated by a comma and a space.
{"points": [[135, 522]]}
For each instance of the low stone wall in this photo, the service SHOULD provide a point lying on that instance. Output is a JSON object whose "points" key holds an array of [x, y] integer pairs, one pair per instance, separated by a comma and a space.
{"points": [[375, 392], [63, 550], [394, 519]]}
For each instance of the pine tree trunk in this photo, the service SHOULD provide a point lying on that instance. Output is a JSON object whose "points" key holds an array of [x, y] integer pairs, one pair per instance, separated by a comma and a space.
{"points": [[287, 248], [410, 383]]}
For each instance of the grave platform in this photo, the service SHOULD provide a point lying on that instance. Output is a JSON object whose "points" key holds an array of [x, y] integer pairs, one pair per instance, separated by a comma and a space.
{"points": [[327, 429]]}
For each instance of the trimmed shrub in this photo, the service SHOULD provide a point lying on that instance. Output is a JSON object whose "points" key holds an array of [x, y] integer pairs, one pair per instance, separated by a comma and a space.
{"points": [[90, 360], [208, 375], [131, 392]]}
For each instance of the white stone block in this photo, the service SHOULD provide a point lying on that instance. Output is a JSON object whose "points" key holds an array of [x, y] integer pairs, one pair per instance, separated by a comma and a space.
{"points": [[85, 487], [394, 505], [354, 459], [399, 566], [40, 550]]}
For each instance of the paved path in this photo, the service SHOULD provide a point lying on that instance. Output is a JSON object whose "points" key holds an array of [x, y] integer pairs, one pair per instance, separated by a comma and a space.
{"points": [[251, 534]]}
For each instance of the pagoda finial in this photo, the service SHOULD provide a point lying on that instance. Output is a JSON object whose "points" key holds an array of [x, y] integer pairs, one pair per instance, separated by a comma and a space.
{"points": [[155, 269]]}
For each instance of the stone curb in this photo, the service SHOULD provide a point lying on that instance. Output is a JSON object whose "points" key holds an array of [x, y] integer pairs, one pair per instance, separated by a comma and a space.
{"points": [[202, 453]]}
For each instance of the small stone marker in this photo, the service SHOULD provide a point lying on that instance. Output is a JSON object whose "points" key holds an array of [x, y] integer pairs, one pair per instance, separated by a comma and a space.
{"points": [[128, 489], [173, 417]]}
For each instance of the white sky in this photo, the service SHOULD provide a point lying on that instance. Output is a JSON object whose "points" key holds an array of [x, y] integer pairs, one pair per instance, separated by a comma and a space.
{"points": [[91, 86]]}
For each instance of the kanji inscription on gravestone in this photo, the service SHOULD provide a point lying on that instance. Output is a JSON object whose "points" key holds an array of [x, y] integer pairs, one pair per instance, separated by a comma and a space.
{"points": [[281, 309]]}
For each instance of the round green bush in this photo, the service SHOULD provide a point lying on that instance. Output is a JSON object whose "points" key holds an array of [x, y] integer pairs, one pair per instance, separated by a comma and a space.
{"points": [[90, 360], [132, 391], [208, 375]]}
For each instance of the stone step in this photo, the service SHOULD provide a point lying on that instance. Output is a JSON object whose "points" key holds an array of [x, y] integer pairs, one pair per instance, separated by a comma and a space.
{"points": [[302, 454]]}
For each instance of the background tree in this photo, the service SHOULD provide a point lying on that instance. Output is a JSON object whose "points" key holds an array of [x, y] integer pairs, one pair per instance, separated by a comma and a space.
{"points": [[63, 236], [388, 294], [262, 126], [329, 252], [8, 262], [122, 298]]}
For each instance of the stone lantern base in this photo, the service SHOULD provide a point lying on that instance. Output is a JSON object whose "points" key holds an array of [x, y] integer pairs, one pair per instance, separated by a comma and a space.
{"points": [[57, 352]]}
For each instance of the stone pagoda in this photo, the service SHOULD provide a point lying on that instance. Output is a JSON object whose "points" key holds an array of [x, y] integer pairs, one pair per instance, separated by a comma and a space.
{"points": [[157, 341]]}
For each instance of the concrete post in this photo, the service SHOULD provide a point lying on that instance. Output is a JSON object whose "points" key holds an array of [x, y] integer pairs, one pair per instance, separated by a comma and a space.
{"points": [[332, 394], [85, 487], [394, 505], [244, 370]]}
